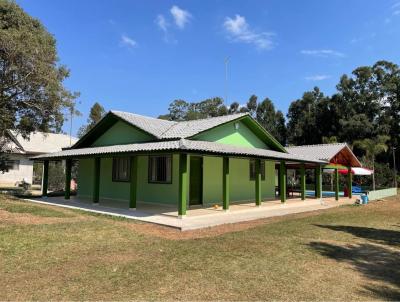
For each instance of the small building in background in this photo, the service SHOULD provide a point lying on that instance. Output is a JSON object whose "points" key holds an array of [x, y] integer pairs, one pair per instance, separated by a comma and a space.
{"points": [[21, 168]]}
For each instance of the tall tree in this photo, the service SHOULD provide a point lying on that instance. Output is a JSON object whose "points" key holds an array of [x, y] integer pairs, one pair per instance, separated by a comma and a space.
{"points": [[252, 105], [32, 95], [372, 148], [96, 113], [302, 127]]}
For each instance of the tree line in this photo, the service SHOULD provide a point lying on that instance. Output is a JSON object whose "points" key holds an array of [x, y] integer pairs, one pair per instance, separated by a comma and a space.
{"points": [[364, 112]]}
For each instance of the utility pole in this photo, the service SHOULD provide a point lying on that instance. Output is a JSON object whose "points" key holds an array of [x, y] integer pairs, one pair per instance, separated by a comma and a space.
{"points": [[394, 167], [226, 80]]}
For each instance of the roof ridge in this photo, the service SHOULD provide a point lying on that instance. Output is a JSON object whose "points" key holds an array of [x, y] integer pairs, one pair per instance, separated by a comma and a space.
{"points": [[215, 117], [329, 144]]}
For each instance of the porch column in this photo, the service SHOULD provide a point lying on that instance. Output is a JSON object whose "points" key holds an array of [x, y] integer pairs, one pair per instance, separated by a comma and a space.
{"points": [[68, 168], [336, 184], [133, 183], [225, 184], [183, 182], [96, 184], [282, 181], [303, 181], [45, 181], [258, 182], [318, 182], [350, 182]]}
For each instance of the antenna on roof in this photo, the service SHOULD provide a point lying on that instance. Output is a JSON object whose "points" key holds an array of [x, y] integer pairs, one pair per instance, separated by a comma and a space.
{"points": [[226, 80]]}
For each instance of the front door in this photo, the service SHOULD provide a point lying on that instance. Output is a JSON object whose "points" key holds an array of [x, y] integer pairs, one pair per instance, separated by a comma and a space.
{"points": [[196, 181]]}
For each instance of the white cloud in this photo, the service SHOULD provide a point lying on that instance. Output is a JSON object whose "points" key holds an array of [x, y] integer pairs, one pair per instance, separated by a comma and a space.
{"points": [[125, 40], [181, 16], [239, 31], [317, 77], [162, 23], [323, 53], [396, 12], [396, 5]]}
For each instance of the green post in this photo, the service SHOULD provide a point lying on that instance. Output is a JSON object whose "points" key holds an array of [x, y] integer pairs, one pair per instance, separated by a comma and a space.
{"points": [[225, 183], [68, 169], [303, 181], [45, 178], [183, 182], [282, 181], [318, 182], [350, 184], [96, 185], [258, 182], [133, 183], [336, 184]]}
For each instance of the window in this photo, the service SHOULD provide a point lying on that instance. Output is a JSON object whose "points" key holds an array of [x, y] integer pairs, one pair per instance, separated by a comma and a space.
{"points": [[160, 170], [252, 168], [12, 165], [121, 169]]}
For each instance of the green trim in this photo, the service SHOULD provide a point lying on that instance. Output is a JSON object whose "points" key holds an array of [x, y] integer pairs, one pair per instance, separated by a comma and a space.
{"points": [[350, 182], [45, 177], [68, 169], [303, 181], [282, 181], [96, 179], [133, 182], [258, 182], [336, 184], [225, 183], [183, 178]]}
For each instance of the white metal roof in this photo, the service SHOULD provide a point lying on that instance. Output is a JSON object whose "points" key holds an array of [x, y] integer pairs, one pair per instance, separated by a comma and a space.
{"points": [[163, 129], [41, 142], [180, 145]]}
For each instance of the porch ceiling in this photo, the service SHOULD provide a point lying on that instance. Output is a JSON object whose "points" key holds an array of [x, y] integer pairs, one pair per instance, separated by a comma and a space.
{"points": [[182, 145]]}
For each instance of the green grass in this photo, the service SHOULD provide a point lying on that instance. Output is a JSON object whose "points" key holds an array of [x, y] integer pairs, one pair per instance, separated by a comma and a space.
{"points": [[346, 253]]}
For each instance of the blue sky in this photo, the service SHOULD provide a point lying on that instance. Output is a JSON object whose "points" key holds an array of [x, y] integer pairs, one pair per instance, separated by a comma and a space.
{"points": [[138, 56]]}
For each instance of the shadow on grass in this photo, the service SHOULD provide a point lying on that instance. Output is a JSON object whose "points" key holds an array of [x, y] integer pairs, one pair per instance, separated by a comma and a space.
{"points": [[379, 263], [382, 236]]}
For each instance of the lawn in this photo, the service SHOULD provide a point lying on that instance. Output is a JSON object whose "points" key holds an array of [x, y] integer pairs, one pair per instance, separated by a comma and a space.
{"points": [[345, 253]]}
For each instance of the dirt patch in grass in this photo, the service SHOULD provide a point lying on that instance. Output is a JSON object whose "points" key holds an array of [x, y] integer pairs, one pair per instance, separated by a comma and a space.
{"points": [[175, 234]]}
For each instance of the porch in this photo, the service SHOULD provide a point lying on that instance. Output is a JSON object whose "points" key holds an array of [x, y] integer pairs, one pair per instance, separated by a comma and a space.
{"points": [[198, 217]]}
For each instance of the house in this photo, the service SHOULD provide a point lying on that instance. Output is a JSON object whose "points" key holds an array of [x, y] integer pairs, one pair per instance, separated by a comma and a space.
{"points": [[21, 150], [135, 160]]}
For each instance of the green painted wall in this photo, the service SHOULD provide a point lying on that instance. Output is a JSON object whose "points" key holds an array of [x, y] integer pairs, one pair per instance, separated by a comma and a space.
{"points": [[241, 187], [85, 177], [227, 134], [121, 133], [158, 193], [212, 180], [108, 188], [150, 192]]}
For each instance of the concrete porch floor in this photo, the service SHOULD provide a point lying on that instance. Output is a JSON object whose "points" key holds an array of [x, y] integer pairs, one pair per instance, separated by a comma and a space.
{"points": [[198, 218]]}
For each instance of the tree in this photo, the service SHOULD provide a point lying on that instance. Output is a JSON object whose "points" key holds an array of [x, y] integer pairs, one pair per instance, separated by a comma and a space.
{"points": [[302, 127], [372, 148], [32, 95], [96, 114], [280, 126], [252, 105], [266, 115]]}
